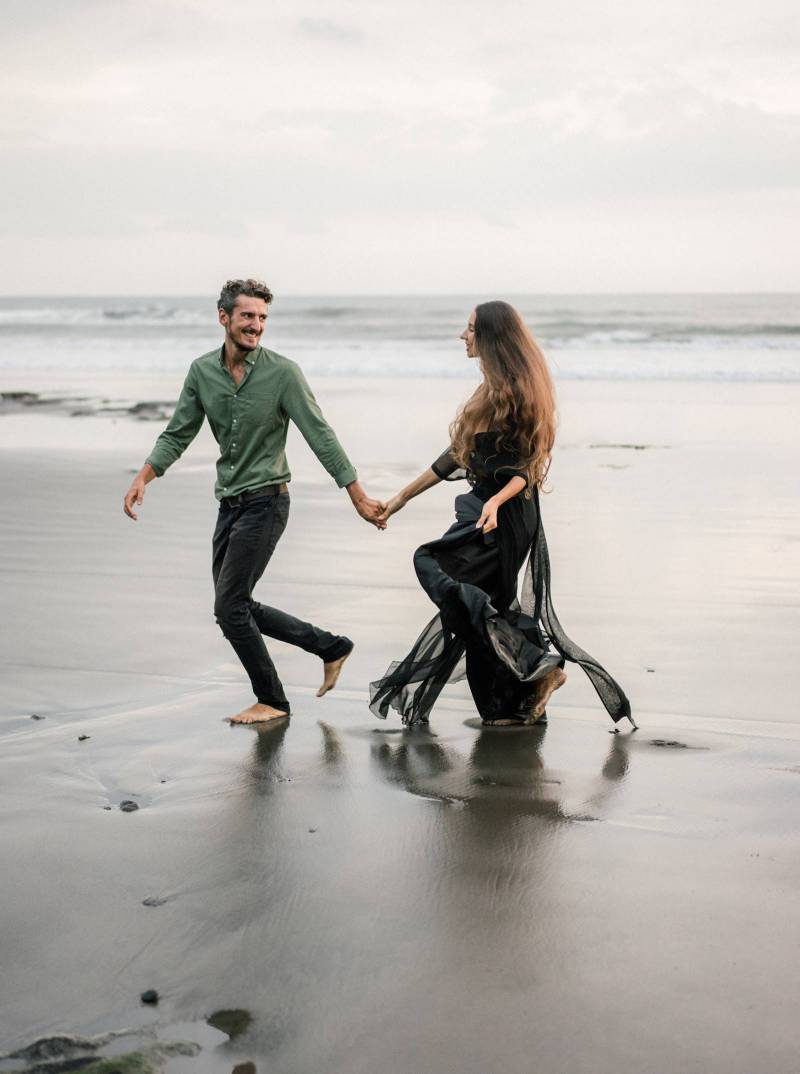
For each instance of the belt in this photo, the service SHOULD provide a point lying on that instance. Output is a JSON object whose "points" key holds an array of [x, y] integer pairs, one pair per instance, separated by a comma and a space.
{"points": [[252, 494]]}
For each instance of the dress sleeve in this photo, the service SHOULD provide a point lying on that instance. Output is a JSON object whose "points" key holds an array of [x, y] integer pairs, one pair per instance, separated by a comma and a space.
{"points": [[446, 467]]}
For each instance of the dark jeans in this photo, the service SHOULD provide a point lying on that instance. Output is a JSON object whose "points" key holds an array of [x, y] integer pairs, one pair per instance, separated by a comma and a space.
{"points": [[244, 540]]}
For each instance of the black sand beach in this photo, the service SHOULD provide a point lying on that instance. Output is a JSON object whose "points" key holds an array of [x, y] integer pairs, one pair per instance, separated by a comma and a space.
{"points": [[452, 900]]}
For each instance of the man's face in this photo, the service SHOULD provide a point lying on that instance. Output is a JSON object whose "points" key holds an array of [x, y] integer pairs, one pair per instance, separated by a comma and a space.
{"points": [[245, 323]]}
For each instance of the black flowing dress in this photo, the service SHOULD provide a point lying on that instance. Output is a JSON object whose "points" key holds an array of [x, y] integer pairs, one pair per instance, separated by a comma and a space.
{"points": [[503, 643]]}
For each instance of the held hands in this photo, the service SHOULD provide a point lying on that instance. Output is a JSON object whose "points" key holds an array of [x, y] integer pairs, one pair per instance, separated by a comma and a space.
{"points": [[390, 507], [371, 511], [488, 520]]}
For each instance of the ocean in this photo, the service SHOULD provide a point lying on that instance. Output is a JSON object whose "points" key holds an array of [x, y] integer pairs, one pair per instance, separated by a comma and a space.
{"points": [[728, 337]]}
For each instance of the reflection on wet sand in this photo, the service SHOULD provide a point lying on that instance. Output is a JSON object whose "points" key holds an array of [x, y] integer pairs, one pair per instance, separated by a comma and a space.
{"points": [[348, 855], [505, 767], [263, 769], [333, 754]]}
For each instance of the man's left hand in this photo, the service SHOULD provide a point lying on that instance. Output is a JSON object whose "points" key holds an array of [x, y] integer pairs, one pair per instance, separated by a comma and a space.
{"points": [[371, 511]]}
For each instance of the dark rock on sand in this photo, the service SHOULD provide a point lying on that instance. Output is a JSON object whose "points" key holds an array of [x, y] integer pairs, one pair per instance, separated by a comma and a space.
{"points": [[59, 1046], [156, 411], [82, 738], [128, 806], [149, 996], [154, 900], [19, 397], [233, 1022], [36, 716], [67, 1052], [130, 1063], [670, 743]]}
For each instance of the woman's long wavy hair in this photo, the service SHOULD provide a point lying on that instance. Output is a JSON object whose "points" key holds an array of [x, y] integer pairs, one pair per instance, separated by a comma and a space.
{"points": [[516, 399]]}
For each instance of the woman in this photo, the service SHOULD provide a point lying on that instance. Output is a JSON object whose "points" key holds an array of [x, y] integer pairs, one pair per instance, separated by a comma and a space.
{"points": [[501, 441]]}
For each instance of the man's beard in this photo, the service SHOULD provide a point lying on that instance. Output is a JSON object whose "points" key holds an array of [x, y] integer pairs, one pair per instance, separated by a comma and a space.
{"points": [[247, 343]]}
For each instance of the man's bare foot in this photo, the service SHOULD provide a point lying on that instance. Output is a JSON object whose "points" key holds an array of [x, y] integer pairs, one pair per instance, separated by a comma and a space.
{"points": [[258, 713], [546, 688], [331, 673]]}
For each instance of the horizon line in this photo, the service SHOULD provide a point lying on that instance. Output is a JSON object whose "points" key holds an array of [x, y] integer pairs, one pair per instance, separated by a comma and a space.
{"points": [[398, 294]]}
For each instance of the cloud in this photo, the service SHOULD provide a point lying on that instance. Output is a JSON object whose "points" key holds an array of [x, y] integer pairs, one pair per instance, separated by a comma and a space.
{"points": [[329, 31], [188, 120]]}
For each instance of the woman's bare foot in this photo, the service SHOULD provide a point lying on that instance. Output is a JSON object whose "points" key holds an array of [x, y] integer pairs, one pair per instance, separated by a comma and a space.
{"points": [[546, 688], [331, 674], [257, 713]]}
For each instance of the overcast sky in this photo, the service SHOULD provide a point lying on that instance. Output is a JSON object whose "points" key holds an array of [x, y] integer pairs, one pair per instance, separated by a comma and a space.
{"points": [[400, 146]]}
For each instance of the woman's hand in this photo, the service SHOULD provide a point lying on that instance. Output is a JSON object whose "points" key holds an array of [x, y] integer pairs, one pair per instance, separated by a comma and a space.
{"points": [[488, 520], [391, 507]]}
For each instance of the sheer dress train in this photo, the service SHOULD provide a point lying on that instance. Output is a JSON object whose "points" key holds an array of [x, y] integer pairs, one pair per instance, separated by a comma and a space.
{"points": [[501, 642]]}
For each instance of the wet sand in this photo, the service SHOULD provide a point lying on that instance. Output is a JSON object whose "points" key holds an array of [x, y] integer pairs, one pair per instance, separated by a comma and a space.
{"points": [[462, 899]]}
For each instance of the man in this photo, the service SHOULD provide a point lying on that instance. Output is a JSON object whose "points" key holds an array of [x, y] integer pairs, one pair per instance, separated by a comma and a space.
{"points": [[249, 394]]}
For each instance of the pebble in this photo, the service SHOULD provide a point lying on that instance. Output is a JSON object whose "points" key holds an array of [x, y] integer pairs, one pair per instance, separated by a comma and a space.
{"points": [[36, 716], [82, 738], [128, 806], [153, 900], [150, 996], [312, 830]]}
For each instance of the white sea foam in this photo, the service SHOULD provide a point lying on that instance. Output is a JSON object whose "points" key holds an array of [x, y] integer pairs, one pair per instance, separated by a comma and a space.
{"points": [[697, 337]]}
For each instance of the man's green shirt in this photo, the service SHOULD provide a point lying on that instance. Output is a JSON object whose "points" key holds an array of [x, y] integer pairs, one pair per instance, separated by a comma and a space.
{"points": [[250, 422]]}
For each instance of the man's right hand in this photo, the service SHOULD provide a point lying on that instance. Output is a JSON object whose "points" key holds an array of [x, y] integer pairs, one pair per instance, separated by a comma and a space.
{"points": [[135, 493]]}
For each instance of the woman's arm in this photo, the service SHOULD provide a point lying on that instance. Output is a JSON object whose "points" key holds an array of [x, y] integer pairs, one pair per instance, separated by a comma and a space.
{"points": [[420, 484], [488, 520]]}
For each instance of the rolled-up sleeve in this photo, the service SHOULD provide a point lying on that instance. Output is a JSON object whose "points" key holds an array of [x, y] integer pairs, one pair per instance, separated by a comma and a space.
{"points": [[299, 403], [183, 427]]}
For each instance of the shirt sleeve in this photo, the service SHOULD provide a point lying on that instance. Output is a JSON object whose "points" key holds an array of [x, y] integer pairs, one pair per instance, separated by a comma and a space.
{"points": [[299, 403], [183, 427]]}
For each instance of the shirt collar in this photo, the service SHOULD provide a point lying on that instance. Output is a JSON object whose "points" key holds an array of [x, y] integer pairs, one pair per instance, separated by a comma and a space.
{"points": [[249, 360]]}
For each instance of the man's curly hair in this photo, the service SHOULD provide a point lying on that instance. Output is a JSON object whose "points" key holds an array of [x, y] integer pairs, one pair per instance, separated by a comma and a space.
{"points": [[233, 288]]}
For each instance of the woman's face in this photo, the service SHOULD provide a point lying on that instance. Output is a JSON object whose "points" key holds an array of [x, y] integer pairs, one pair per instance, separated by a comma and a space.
{"points": [[468, 335]]}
